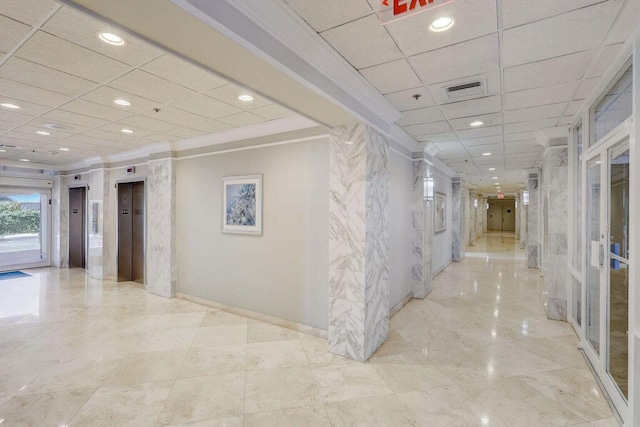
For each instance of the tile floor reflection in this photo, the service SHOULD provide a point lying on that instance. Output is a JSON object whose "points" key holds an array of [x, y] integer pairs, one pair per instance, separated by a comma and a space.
{"points": [[477, 352]]}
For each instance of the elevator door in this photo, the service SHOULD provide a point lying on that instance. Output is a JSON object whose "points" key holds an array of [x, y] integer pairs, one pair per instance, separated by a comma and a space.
{"points": [[131, 216], [77, 227]]}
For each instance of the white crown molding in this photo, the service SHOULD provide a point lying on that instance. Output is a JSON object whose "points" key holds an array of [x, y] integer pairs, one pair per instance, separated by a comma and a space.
{"points": [[550, 136], [262, 129], [442, 167], [275, 33]]}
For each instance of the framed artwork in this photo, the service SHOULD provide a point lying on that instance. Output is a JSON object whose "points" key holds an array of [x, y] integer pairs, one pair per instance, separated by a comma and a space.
{"points": [[440, 217], [242, 205]]}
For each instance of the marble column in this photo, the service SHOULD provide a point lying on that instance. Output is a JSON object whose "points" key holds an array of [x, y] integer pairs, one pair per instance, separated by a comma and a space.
{"points": [[422, 231], [485, 215], [100, 225], [358, 241], [533, 238], [471, 218], [161, 257], [60, 221], [524, 209], [555, 172], [457, 215]]}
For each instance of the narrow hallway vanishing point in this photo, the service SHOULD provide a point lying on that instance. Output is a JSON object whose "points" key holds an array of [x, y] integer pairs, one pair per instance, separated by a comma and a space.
{"points": [[477, 351]]}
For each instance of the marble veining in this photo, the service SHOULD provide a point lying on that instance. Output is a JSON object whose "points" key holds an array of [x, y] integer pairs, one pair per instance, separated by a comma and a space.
{"points": [[457, 215], [161, 228], [100, 247], [533, 244], [422, 232], [555, 173], [358, 241]]}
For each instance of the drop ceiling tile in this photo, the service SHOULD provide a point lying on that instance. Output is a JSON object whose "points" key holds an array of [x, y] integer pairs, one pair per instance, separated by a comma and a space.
{"points": [[5, 125], [206, 106], [566, 121], [473, 107], [229, 94], [587, 87], [174, 115], [273, 112], [104, 136], [437, 137], [473, 19], [32, 74], [27, 108], [161, 137], [329, 13], [179, 71], [491, 79], [31, 94], [428, 128], [453, 156], [71, 128], [54, 134], [11, 32], [521, 136], [480, 132], [242, 119], [212, 126], [494, 149], [148, 123], [550, 72], [29, 13], [105, 95], [459, 61], [405, 101], [99, 111], [520, 147], [13, 117], [493, 119], [74, 119], [519, 12], [573, 108], [535, 113], [422, 115], [185, 133], [67, 57], [575, 31], [81, 29], [392, 76], [602, 62], [148, 86], [363, 42], [117, 129], [625, 25], [529, 126], [483, 140], [540, 96]]}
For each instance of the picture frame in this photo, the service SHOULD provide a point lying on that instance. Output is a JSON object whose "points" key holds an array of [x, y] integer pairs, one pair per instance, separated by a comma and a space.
{"points": [[440, 213], [242, 204]]}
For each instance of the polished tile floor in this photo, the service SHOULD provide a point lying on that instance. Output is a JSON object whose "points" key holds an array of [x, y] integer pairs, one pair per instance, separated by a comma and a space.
{"points": [[477, 352]]}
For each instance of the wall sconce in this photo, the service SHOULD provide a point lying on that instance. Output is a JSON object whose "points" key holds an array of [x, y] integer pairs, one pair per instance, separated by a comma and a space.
{"points": [[429, 193], [475, 203], [487, 205], [516, 204], [525, 198]]}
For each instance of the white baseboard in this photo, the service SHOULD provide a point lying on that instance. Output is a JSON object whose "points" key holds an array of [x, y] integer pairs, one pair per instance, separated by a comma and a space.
{"points": [[396, 308]]}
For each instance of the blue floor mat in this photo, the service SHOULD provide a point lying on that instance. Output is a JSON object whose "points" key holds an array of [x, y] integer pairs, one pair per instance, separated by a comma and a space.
{"points": [[13, 275]]}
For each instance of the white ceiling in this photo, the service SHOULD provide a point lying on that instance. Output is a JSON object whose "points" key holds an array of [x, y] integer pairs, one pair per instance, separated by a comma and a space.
{"points": [[540, 60], [56, 69]]}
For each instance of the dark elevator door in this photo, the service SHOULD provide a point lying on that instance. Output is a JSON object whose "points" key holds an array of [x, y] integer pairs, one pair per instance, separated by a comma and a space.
{"points": [[77, 202], [131, 232]]}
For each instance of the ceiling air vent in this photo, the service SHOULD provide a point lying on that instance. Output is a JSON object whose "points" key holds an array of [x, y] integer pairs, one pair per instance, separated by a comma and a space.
{"points": [[466, 90], [9, 146]]}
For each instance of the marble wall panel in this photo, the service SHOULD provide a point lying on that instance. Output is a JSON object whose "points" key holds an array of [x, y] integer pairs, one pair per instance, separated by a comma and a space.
{"points": [[457, 215], [533, 240], [161, 228], [422, 232], [359, 241], [556, 193], [100, 249]]}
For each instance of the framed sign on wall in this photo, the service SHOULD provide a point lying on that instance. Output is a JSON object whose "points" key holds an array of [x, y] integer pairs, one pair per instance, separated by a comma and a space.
{"points": [[242, 205], [440, 216]]}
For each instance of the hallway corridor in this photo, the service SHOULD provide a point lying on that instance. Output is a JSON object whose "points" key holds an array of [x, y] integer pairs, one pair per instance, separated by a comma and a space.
{"points": [[477, 352]]}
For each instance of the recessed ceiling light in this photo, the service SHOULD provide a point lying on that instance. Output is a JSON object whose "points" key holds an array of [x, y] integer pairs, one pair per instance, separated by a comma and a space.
{"points": [[56, 126], [486, 154], [349, 142], [41, 132], [9, 105], [122, 102], [126, 131], [110, 38], [492, 169], [2, 151], [497, 183], [495, 177], [64, 149], [441, 24], [476, 123], [245, 98], [24, 160]]}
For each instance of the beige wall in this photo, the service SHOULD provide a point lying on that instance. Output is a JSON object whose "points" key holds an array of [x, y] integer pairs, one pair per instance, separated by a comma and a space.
{"points": [[283, 273]]}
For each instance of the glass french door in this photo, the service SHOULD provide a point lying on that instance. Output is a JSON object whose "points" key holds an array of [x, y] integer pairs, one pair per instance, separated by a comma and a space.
{"points": [[24, 228], [605, 170]]}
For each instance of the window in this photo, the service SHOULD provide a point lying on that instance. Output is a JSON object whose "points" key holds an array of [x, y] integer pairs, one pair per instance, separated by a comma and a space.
{"points": [[615, 106]]}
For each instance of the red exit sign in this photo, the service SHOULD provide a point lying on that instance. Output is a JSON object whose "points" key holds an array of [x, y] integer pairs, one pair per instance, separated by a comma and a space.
{"points": [[392, 10], [500, 196]]}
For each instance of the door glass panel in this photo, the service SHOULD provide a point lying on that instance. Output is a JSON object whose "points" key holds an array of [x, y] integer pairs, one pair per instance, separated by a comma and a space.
{"points": [[577, 249], [593, 253], [618, 268], [615, 107], [21, 233]]}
